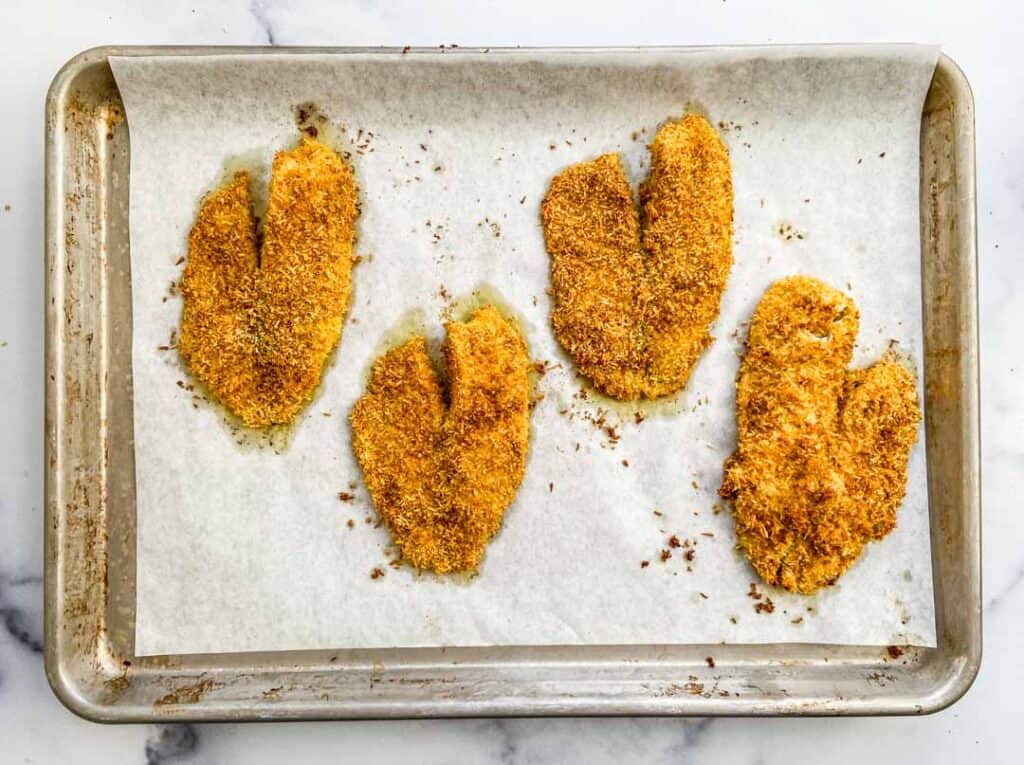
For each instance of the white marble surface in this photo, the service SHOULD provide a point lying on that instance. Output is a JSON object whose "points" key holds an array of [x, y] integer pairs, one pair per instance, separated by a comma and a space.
{"points": [[40, 35]]}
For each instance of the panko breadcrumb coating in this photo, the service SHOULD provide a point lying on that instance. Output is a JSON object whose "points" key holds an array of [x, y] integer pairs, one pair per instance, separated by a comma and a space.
{"points": [[258, 323], [441, 474], [820, 467], [635, 291]]}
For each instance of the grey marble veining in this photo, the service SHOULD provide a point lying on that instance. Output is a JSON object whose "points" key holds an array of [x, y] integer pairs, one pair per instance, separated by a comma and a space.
{"points": [[982, 37], [20, 610], [258, 9]]}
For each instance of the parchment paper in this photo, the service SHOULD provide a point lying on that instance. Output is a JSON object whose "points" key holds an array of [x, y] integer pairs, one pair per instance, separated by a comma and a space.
{"points": [[242, 548]]}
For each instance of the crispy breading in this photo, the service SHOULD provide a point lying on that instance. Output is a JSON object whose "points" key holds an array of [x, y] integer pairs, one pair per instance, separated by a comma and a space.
{"points": [[258, 323], [820, 467], [442, 473], [635, 291]]}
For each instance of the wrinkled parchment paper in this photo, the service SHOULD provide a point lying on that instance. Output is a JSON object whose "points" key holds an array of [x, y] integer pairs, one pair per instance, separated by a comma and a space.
{"points": [[241, 548]]}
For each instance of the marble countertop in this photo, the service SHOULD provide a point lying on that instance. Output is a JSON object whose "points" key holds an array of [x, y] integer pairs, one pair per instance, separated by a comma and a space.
{"points": [[42, 34]]}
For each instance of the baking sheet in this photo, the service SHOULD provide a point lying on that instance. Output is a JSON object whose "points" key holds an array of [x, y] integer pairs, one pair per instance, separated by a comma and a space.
{"points": [[241, 548]]}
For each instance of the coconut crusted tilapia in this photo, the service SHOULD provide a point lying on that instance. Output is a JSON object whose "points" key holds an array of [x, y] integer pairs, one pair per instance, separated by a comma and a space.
{"points": [[820, 467], [636, 291], [441, 469], [258, 322]]}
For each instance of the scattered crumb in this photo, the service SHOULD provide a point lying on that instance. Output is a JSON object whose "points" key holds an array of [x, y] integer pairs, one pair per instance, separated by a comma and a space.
{"points": [[665, 555], [894, 651], [350, 523], [766, 607], [673, 541], [345, 496], [377, 573], [645, 563], [788, 232], [711, 661], [493, 225]]}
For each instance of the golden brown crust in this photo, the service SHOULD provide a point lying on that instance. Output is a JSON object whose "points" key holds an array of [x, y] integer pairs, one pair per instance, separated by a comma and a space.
{"points": [[634, 298], [441, 476], [821, 459], [257, 325]]}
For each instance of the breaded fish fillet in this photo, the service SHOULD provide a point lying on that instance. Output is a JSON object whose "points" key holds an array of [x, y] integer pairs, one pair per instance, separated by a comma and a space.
{"points": [[258, 323], [820, 467], [441, 474], [635, 291]]}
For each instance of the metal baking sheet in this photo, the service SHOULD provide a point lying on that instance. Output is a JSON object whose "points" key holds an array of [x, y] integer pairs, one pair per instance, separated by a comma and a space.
{"points": [[90, 588]]}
